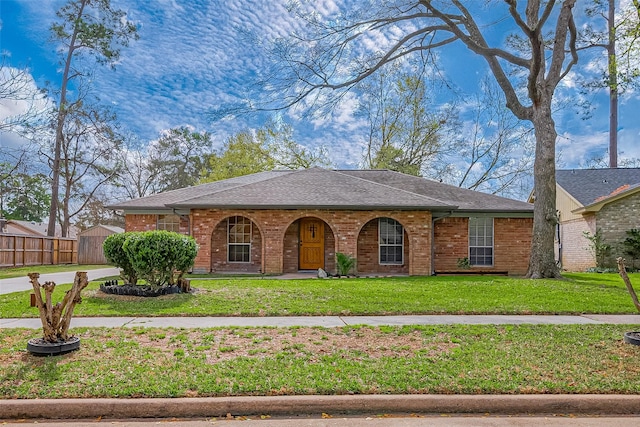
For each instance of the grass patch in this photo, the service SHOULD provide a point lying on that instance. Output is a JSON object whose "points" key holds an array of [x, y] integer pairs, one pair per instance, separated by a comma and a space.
{"points": [[579, 293], [469, 359], [8, 273]]}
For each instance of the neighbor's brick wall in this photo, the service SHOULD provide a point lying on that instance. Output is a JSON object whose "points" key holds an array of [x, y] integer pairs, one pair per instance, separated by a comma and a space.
{"points": [[615, 219], [576, 255], [512, 245]]}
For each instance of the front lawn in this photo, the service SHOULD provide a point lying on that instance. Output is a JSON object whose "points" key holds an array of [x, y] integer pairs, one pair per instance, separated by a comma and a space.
{"points": [[580, 293], [459, 359]]}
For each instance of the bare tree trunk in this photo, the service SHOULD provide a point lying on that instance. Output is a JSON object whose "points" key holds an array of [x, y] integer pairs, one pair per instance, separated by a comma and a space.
{"points": [[627, 282], [60, 120], [613, 87], [542, 259], [55, 320]]}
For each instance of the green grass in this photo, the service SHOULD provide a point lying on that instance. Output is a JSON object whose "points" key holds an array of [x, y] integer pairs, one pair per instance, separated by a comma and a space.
{"points": [[579, 293], [524, 359], [8, 273]]}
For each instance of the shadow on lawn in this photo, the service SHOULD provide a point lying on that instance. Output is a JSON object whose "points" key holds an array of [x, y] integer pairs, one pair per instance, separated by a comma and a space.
{"points": [[599, 280], [150, 306]]}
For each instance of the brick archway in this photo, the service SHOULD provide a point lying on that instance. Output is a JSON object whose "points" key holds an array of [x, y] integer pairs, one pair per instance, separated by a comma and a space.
{"points": [[368, 255], [228, 253]]}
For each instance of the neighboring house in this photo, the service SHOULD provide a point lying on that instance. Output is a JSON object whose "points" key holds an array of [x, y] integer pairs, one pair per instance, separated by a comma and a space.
{"points": [[589, 200], [285, 221], [14, 226]]}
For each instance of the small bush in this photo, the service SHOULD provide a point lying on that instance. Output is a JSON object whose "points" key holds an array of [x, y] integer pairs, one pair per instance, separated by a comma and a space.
{"points": [[160, 257], [115, 255]]}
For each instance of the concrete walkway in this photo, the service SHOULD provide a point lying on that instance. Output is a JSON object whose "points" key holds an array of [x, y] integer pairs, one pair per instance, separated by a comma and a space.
{"points": [[18, 284], [330, 321]]}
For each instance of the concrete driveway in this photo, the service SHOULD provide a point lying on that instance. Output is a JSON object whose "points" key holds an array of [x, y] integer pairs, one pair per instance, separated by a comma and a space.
{"points": [[18, 284]]}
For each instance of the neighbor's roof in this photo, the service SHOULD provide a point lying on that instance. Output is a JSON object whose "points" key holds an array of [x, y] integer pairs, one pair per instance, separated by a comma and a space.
{"points": [[590, 186], [318, 188]]}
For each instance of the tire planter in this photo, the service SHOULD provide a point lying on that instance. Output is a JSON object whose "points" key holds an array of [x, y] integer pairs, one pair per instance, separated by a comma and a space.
{"points": [[40, 347], [137, 290], [632, 338]]}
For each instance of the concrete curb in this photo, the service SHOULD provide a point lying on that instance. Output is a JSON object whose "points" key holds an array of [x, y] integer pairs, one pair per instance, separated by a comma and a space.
{"points": [[588, 404]]}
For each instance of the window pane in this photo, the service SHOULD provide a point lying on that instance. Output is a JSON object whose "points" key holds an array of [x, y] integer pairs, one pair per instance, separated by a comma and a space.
{"points": [[481, 241], [390, 241], [239, 239]]}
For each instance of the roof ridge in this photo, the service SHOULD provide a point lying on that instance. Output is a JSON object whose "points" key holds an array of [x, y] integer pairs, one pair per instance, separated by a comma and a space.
{"points": [[395, 188]]}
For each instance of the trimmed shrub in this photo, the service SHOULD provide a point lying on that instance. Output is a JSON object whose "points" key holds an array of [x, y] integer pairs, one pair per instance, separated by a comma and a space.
{"points": [[115, 255], [160, 257]]}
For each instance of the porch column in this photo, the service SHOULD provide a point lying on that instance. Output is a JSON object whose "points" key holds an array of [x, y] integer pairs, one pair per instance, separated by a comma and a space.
{"points": [[420, 254], [272, 251]]}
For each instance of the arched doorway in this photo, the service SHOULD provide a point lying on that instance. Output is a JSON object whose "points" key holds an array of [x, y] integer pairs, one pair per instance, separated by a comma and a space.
{"points": [[309, 244]]}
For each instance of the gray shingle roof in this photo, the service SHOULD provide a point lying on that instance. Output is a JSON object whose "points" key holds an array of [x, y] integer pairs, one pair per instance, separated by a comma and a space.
{"points": [[328, 189], [589, 185]]}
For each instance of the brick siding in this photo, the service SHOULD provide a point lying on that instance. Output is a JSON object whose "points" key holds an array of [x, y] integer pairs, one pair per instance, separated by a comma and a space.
{"points": [[614, 220], [511, 248], [576, 255], [275, 240]]}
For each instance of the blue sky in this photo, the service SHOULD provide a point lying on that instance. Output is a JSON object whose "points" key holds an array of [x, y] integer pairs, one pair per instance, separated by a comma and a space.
{"points": [[192, 57]]}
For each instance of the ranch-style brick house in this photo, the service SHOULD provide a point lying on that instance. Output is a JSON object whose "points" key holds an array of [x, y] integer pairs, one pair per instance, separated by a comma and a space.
{"points": [[284, 221]]}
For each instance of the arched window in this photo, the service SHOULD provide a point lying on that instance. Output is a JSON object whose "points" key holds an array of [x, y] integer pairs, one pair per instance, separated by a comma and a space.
{"points": [[390, 241]]}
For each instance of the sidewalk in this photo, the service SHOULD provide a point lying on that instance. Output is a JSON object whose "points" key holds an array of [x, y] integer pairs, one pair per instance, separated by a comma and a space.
{"points": [[18, 284], [330, 321]]}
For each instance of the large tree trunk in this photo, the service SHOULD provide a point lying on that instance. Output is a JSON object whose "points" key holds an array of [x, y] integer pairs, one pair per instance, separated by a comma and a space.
{"points": [[56, 319], [542, 261]]}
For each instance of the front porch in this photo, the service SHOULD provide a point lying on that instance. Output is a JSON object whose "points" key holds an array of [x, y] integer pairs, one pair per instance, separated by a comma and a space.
{"points": [[289, 241]]}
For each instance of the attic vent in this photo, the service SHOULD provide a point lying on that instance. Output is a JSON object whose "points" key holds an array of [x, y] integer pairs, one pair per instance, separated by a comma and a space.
{"points": [[604, 181]]}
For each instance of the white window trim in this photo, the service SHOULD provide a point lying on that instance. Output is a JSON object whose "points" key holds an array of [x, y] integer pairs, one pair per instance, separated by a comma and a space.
{"points": [[493, 241], [161, 221], [380, 244], [229, 244]]}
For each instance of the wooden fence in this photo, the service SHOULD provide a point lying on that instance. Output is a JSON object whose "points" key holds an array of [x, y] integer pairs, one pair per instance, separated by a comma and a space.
{"points": [[17, 250], [90, 250]]}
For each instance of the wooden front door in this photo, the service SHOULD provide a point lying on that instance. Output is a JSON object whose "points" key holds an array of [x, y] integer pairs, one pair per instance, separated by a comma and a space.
{"points": [[311, 244]]}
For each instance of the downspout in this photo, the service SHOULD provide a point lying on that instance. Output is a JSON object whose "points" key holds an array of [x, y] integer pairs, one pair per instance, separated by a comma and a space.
{"points": [[433, 240]]}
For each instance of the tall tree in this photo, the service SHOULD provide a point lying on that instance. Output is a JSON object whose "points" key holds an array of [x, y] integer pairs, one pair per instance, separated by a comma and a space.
{"points": [[178, 157], [263, 149], [277, 138], [619, 39], [495, 153], [333, 54], [23, 196], [405, 133], [84, 27], [87, 158], [244, 153]]}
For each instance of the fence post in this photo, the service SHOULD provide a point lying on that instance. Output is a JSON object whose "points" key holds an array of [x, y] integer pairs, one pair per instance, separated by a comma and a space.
{"points": [[55, 248]]}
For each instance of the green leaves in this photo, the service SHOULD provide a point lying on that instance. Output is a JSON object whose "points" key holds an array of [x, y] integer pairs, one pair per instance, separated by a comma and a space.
{"points": [[160, 257]]}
